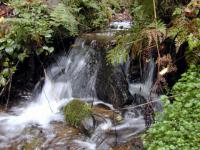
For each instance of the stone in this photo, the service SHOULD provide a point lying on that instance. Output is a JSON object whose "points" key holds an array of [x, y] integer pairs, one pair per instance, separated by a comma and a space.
{"points": [[76, 111]]}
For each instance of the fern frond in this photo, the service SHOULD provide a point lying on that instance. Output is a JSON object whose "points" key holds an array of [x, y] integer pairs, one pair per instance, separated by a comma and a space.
{"points": [[62, 16], [119, 54], [155, 32]]}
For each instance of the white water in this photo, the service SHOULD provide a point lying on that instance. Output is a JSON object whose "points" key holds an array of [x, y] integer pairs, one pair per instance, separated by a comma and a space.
{"points": [[109, 134], [144, 89], [120, 25], [72, 76]]}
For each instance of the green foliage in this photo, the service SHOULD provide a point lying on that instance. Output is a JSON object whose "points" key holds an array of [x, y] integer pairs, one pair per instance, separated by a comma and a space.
{"points": [[30, 30], [34, 26], [4, 1], [146, 9], [92, 14], [76, 111], [124, 43], [62, 16], [119, 54], [161, 27], [186, 29], [178, 127], [146, 33], [143, 34]]}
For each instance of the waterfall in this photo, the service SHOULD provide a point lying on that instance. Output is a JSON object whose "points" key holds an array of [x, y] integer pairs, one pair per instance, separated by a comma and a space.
{"points": [[109, 134], [144, 89], [72, 76]]}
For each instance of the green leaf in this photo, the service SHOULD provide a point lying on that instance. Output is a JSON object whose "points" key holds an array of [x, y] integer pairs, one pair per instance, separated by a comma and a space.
{"points": [[2, 81], [178, 11], [179, 125], [22, 56], [9, 50], [5, 73], [2, 40], [5, 64], [2, 47], [49, 49]]}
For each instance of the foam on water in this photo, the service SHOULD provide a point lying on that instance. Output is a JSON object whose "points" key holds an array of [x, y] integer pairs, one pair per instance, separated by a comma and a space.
{"points": [[120, 25], [62, 83], [133, 123], [72, 76]]}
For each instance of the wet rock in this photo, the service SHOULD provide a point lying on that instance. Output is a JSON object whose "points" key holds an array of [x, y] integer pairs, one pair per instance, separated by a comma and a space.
{"points": [[100, 114], [134, 74], [135, 144], [111, 85], [139, 99], [88, 125], [111, 81]]}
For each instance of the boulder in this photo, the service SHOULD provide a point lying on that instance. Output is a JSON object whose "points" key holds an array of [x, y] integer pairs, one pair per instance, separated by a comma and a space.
{"points": [[76, 111], [111, 84]]}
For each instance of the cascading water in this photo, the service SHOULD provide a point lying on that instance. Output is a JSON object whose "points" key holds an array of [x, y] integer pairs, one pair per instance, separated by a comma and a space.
{"points": [[144, 89], [109, 134], [73, 76]]}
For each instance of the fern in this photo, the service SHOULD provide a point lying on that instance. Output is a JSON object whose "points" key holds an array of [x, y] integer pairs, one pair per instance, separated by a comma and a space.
{"points": [[117, 55], [186, 30], [62, 16], [132, 41], [34, 26], [92, 14], [159, 25]]}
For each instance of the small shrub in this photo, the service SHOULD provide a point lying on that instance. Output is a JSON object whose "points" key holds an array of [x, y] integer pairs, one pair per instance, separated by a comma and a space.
{"points": [[178, 127], [76, 111]]}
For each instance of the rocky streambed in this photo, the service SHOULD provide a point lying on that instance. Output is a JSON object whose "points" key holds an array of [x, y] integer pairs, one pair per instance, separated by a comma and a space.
{"points": [[83, 73]]}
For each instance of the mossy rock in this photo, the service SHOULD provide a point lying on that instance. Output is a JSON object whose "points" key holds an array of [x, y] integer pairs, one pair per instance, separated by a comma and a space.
{"points": [[76, 111]]}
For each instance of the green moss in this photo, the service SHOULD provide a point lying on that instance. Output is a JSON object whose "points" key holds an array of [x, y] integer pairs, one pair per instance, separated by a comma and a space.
{"points": [[76, 111]]}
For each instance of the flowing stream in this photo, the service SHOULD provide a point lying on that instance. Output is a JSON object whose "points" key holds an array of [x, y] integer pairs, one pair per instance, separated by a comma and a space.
{"points": [[72, 76]]}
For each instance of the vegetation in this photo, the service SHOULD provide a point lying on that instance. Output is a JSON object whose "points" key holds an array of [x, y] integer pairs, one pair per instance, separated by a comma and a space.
{"points": [[178, 126], [149, 32], [76, 111], [92, 14], [34, 25], [185, 28], [141, 35], [30, 31]]}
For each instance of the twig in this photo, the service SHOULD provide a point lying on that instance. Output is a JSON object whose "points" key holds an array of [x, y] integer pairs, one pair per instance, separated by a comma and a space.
{"points": [[46, 95], [9, 88], [8, 81], [133, 107], [157, 47], [2, 91]]}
